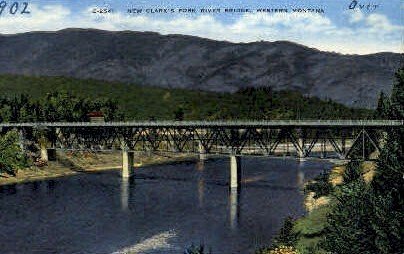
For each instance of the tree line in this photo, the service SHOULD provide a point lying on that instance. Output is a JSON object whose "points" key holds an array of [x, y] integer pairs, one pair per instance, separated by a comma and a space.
{"points": [[58, 106]]}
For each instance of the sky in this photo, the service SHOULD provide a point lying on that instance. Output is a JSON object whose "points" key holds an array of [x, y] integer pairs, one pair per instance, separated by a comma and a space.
{"points": [[371, 26]]}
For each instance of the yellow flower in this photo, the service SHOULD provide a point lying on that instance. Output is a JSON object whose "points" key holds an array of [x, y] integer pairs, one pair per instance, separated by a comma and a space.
{"points": [[284, 250]]}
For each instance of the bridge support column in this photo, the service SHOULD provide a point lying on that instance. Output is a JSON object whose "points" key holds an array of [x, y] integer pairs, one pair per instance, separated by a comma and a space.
{"points": [[44, 151], [301, 152], [47, 154], [127, 163], [201, 151], [323, 152], [235, 171]]}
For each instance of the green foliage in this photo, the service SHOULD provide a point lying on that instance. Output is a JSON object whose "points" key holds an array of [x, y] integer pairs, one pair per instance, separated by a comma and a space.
{"points": [[307, 232], [145, 102], [396, 109], [55, 107], [286, 235], [349, 229], [382, 107], [179, 114], [369, 218], [353, 172], [388, 183], [12, 156], [320, 185], [386, 221], [313, 224], [310, 230]]}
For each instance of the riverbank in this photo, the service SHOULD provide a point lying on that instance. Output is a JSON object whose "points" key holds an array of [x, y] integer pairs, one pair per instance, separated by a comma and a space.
{"points": [[305, 235], [310, 228], [69, 164]]}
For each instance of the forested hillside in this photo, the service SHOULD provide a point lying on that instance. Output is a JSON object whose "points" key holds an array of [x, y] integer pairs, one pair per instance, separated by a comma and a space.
{"points": [[67, 99]]}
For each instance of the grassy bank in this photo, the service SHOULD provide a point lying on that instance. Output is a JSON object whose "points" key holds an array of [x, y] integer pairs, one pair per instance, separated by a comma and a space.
{"points": [[71, 164]]}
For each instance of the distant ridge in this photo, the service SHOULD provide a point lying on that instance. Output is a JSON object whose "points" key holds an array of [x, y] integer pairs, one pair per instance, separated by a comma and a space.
{"points": [[179, 61]]}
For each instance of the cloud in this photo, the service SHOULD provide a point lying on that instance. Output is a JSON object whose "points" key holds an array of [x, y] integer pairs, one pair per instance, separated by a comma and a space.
{"points": [[362, 34], [355, 16], [46, 18], [380, 22]]}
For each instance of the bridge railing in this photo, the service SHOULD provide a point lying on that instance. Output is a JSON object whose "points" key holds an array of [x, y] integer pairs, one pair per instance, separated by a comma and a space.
{"points": [[206, 124]]}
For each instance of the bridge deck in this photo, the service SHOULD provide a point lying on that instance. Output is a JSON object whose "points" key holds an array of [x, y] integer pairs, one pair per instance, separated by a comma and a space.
{"points": [[212, 124]]}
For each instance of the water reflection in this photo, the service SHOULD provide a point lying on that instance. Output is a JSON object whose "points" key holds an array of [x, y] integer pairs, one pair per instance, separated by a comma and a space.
{"points": [[50, 186], [201, 182], [234, 200], [8, 189], [126, 184], [200, 165], [201, 189], [300, 173], [164, 210], [35, 186]]}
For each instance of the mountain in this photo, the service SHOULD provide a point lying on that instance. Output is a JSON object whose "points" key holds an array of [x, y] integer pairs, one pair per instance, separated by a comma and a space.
{"points": [[178, 61]]}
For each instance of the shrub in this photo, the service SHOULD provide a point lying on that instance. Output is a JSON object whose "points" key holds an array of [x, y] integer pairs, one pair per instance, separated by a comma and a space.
{"points": [[352, 172], [12, 156], [286, 236], [320, 185]]}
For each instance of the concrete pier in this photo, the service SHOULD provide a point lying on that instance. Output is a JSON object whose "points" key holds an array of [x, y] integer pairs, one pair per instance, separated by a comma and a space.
{"points": [[44, 152], [301, 152], [235, 171], [323, 149], [202, 152], [127, 163]]}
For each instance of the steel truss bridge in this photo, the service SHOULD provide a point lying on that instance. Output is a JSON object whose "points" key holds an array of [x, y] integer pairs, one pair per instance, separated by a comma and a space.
{"points": [[344, 139]]}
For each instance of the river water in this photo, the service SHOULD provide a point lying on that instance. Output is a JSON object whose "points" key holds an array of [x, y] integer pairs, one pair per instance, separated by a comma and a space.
{"points": [[163, 210]]}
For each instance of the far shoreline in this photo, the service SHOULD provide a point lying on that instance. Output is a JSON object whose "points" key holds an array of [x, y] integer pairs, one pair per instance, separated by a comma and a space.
{"points": [[59, 169], [65, 166]]}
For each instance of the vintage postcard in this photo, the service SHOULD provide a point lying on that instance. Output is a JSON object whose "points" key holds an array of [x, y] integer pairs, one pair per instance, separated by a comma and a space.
{"points": [[195, 127]]}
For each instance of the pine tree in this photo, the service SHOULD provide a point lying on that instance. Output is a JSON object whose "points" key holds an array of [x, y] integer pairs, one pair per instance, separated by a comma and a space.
{"points": [[369, 218], [349, 230], [352, 172], [382, 107], [388, 184]]}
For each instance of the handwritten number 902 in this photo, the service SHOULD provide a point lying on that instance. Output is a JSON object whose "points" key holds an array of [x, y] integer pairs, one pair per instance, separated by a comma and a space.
{"points": [[14, 7]]}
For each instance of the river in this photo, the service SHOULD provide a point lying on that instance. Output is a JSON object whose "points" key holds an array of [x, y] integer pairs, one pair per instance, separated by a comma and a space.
{"points": [[163, 210]]}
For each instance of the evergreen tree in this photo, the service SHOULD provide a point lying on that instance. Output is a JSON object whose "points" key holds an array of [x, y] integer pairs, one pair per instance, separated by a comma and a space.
{"points": [[352, 172], [349, 230], [179, 114], [369, 218], [55, 107], [12, 156], [388, 184], [382, 107]]}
